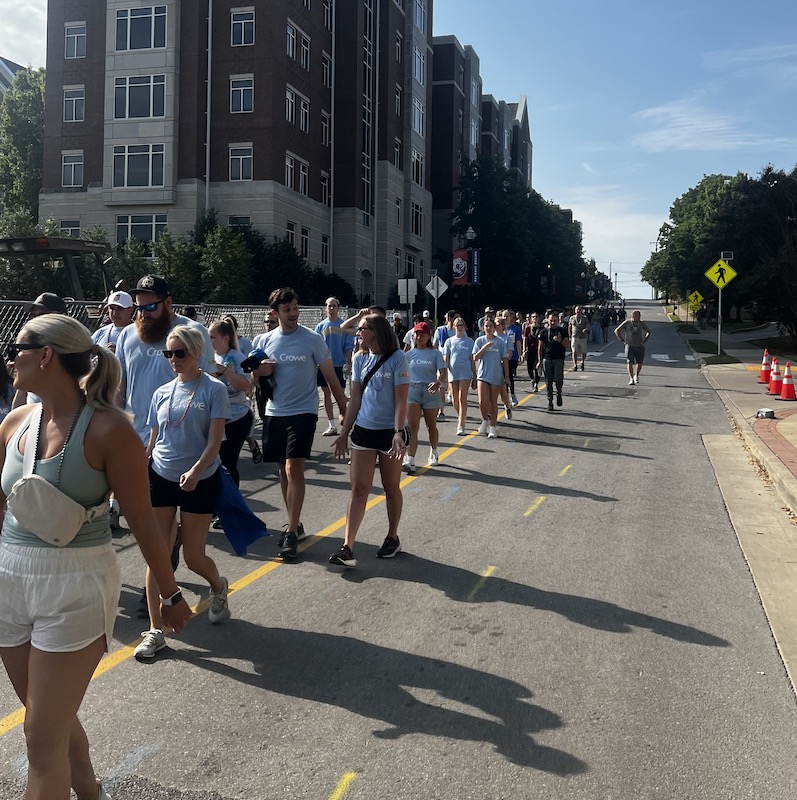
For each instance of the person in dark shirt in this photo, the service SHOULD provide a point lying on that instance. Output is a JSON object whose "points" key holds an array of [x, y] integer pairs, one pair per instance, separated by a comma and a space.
{"points": [[551, 349]]}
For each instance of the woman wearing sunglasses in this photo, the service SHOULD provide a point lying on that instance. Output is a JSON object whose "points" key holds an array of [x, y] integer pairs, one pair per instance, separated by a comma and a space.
{"points": [[187, 417], [457, 352], [376, 416], [58, 604]]}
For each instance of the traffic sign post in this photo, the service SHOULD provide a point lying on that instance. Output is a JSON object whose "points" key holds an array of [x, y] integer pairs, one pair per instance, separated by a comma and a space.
{"points": [[436, 287], [720, 273]]}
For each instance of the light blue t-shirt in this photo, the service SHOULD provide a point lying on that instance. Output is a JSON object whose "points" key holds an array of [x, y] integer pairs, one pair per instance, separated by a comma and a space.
{"points": [[144, 369], [489, 367], [245, 345], [441, 335], [338, 342], [239, 400], [183, 434], [514, 335], [298, 355], [458, 350], [107, 334], [378, 406], [424, 364]]}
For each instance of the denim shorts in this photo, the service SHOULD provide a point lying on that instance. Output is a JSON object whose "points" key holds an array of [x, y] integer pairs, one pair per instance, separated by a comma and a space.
{"points": [[420, 395]]}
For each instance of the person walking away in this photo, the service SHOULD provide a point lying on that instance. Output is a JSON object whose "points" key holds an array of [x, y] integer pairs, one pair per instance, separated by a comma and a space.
{"points": [[186, 418], [633, 333], [530, 347], [340, 345], [579, 334], [376, 417], [458, 355], [514, 336], [500, 330], [551, 349], [58, 605], [426, 365], [492, 373]]}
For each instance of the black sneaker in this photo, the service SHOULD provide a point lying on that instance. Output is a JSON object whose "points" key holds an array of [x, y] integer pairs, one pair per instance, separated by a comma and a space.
{"points": [[300, 532], [288, 548], [343, 557], [550, 404], [389, 548], [558, 399]]}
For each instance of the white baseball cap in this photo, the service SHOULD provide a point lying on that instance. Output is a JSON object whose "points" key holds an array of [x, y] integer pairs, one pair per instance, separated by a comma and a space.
{"points": [[122, 299], [426, 314]]}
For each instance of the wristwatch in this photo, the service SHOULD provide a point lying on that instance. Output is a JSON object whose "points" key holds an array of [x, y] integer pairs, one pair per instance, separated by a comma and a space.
{"points": [[173, 600]]}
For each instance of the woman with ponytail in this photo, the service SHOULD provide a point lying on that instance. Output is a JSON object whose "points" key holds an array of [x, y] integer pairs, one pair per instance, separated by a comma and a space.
{"points": [[58, 604]]}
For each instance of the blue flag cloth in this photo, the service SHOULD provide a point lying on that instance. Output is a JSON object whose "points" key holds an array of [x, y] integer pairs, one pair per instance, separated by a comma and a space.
{"points": [[241, 526]]}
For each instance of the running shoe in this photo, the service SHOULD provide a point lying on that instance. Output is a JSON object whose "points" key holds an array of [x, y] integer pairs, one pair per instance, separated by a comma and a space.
{"points": [[216, 524], [582, 367], [389, 548], [636, 379], [288, 549], [301, 533], [343, 557], [630, 381], [433, 459], [331, 430], [151, 642], [113, 519], [492, 433], [461, 430], [513, 398], [219, 610], [559, 399], [550, 404], [441, 414], [508, 410], [409, 464], [535, 387], [483, 427]]}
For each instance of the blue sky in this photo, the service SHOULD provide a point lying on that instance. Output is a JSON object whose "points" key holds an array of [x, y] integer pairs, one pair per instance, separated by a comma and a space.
{"points": [[630, 103]]}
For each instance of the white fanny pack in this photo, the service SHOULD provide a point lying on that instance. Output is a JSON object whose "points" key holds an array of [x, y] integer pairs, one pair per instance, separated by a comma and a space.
{"points": [[39, 506]]}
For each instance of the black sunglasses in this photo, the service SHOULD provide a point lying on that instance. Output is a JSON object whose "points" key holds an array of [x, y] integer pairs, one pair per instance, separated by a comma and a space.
{"points": [[365, 327], [150, 306], [181, 353], [271, 323], [13, 350]]}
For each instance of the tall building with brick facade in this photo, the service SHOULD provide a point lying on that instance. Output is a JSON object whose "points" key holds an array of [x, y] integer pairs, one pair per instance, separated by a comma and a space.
{"points": [[304, 118]]}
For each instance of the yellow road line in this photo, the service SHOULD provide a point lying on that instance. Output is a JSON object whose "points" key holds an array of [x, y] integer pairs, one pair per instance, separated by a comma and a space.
{"points": [[343, 786], [485, 575], [565, 470], [535, 505]]}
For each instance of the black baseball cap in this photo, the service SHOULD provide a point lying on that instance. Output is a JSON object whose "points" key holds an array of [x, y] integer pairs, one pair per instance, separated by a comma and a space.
{"points": [[47, 303], [152, 283]]}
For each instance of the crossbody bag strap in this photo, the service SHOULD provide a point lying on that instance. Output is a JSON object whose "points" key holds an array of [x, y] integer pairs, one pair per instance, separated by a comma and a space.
{"points": [[32, 442], [372, 371]]}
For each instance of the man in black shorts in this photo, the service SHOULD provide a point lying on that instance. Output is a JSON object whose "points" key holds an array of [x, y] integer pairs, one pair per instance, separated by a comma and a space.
{"points": [[552, 346]]}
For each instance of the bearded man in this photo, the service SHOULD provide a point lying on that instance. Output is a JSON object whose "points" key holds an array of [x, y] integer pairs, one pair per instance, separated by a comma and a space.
{"points": [[139, 347]]}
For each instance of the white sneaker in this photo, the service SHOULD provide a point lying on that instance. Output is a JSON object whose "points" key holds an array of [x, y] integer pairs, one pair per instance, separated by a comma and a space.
{"points": [[331, 430], [101, 793], [433, 459], [492, 433], [151, 642], [460, 431], [636, 379], [630, 381], [483, 427], [513, 398], [409, 464], [219, 610]]}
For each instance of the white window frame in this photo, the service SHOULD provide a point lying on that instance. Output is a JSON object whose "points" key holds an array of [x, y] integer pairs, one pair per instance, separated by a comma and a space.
{"points": [[326, 127], [419, 65], [326, 70], [74, 35], [70, 227], [239, 221], [420, 15], [417, 220], [304, 178], [242, 22], [290, 171], [73, 161], [290, 43], [290, 232], [242, 87], [325, 188], [241, 162], [74, 104], [125, 154], [418, 167], [304, 114], [304, 52], [157, 223], [304, 242], [418, 116], [325, 249], [290, 105], [399, 47], [127, 15], [154, 85]]}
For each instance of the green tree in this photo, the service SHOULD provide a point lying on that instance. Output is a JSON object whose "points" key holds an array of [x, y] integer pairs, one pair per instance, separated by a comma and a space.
{"points": [[179, 261], [226, 267], [22, 141]]}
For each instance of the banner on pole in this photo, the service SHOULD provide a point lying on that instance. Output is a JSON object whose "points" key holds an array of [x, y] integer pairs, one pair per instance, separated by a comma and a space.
{"points": [[475, 267], [460, 267]]}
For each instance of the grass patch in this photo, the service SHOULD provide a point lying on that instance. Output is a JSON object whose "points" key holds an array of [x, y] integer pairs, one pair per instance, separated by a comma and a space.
{"points": [[690, 329], [704, 346], [723, 359], [783, 347]]}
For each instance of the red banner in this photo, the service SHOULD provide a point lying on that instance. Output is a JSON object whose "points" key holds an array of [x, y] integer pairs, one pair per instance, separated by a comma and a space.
{"points": [[460, 267]]}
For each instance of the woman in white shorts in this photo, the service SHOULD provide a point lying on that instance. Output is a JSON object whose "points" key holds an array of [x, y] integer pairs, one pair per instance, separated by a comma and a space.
{"points": [[58, 604], [457, 352], [376, 416]]}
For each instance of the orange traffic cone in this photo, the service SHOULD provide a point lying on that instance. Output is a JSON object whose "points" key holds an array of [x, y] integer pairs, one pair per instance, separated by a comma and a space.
{"points": [[766, 368], [787, 391], [775, 378]]}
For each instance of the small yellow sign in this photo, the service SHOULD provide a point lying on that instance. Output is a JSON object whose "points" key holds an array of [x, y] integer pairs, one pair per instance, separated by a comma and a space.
{"points": [[696, 297], [721, 274], [694, 306]]}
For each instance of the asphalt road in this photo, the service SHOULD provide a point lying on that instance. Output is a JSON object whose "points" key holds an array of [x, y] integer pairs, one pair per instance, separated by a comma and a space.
{"points": [[572, 618]]}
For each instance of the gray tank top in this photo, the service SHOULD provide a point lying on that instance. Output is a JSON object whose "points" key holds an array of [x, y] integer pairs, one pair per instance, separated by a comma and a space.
{"points": [[79, 480]]}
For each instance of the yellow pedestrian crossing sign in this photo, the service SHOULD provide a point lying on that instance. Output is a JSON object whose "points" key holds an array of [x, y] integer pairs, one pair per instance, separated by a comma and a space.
{"points": [[696, 297], [721, 274], [694, 306]]}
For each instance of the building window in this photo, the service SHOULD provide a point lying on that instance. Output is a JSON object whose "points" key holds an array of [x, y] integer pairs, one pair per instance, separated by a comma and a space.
{"points": [[417, 167], [398, 261], [398, 101], [398, 211], [474, 132], [307, 4], [138, 165], [242, 95], [141, 28], [304, 56], [242, 28], [291, 41], [417, 219], [304, 179], [239, 222], [420, 15], [326, 70], [397, 153], [290, 170], [419, 65], [70, 227], [399, 47], [506, 140], [325, 128], [141, 97], [461, 118], [410, 266], [290, 233], [74, 105], [474, 92], [418, 116], [75, 41], [290, 106], [304, 115], [304, 243], [325, 188], [328, 14], [141, 227], [72, 169], [462, 78], [324, 249], [240, 163]]}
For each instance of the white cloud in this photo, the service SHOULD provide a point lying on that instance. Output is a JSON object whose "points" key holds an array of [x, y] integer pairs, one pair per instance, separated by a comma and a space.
{"points": [[24, 32], [589, 168]]}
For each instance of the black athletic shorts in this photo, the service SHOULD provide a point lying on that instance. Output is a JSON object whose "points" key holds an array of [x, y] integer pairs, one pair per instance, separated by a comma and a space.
{"points": [[322, 381], [288, 437], [168, 494]]}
